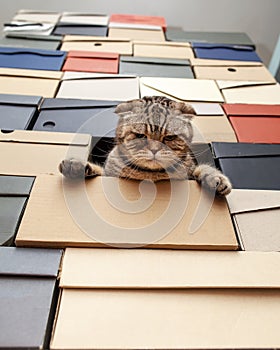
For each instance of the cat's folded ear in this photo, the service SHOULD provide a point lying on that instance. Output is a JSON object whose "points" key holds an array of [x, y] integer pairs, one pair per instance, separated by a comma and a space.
{"points": [[125, 108], [184, 108]]}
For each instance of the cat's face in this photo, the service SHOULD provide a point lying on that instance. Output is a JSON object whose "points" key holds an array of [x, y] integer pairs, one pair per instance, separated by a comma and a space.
{"points": [[154, 135]]}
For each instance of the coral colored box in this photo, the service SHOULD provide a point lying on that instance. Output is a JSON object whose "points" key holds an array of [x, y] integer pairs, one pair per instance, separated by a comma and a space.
{"points": [[87, 61], [255, 123], [137, 21]]}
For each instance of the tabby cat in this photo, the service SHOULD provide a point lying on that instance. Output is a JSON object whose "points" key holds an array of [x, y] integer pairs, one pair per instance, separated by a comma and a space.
{"points": [[153, 141]]}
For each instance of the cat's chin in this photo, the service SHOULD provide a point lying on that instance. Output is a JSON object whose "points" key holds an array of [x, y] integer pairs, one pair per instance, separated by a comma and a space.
{"points": [[151, 164]]}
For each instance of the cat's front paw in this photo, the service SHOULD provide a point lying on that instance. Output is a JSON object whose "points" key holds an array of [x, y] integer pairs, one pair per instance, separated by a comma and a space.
{"points": [[72, 168], [220, 183]]}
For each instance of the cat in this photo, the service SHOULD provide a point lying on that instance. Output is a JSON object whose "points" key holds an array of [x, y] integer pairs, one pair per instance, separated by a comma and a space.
{"points": [[153, 142]]}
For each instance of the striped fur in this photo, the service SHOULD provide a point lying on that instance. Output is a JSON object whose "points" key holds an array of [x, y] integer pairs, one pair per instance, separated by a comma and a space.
{"points": [[153, 141]]}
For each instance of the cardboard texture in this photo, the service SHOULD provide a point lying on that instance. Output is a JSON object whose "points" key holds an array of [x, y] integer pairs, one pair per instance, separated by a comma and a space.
{"points": [[249, 92], [188, 90], [97, 44], [256, 217], [255, 123], [86, 61], [72, 115], [43, 42], [30, 153], [115, 221], [234, 72], [67, 28], [231, 38], [137, 34], [84, 18], [37, 16], [225, 52], [249, 166], [98, 86], [148, 288], [18, 111], [211, 124], [29, 82], [28, 296], [152, 67], [25, 58], [162, 50], [137, 21]]}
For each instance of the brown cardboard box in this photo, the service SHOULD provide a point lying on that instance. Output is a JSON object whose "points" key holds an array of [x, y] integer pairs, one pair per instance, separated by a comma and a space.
{"points": [[249, 92], [211, 124], [110, 211], [168, 300], [162, 49], [95, 86], [187, 90], [38, 152], [256, 217], [137, 34], [97, 44], [29, 82]]}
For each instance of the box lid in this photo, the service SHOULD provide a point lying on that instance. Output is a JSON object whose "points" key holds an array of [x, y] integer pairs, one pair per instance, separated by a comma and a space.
{"points": [[137, 21], [231, 84], [21, 100], [31, 73], [210, 46], [155, 60], [91, 54], [240, 201], [242, 149], [15, 185], [89, 38], [156, 269], [29, 262], [85, 18], [68, 103], [33, 36], [29, 51], [242, 109], [86, 75]]}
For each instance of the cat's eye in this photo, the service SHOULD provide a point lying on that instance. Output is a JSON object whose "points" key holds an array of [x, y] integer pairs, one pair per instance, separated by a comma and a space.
{"points": [[140, 136], [170, 138]]}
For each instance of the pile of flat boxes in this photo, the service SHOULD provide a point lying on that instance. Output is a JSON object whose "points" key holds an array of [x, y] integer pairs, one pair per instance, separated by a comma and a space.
{"points": [[203, 271]]}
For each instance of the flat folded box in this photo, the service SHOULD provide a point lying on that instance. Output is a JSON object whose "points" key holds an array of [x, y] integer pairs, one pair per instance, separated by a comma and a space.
{"points": [[33, 41], [66, 28], [137, 21], [254, 122], [87, 61]]}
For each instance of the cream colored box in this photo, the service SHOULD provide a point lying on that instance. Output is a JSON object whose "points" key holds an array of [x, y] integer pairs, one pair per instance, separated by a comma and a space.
{"points": [[37, 16], [137, 34], [84, 18]]}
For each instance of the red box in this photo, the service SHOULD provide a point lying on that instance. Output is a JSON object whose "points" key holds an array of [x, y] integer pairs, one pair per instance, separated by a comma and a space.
{"points": [[87, 61], [255, 123], [138, 21]]}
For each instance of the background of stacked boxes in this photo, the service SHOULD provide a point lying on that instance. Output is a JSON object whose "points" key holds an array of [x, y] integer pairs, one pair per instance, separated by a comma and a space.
{"points": [[61, 75]]}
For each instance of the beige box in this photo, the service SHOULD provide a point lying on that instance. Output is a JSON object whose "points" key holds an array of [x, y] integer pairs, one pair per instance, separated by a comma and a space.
{"points": [[29, 82], [211, 124], [97, 44], [84, 18], [31, 153], [256, 218], [37, 16], [99, 86], [186, 90], [125, 213], [167, 300], [162, 49], [249, 92], [137, 34]]}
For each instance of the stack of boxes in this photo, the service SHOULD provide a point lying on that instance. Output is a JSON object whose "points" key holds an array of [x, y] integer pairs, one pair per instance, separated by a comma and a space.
{"points": [[203, 271]]}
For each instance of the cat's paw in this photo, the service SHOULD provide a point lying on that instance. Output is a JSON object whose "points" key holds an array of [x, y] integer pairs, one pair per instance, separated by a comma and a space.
{"points": [[218, 182], [76, 169]]}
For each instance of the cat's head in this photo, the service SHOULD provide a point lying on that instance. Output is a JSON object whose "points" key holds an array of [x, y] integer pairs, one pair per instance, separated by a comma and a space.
{"points": [[154, 132]]}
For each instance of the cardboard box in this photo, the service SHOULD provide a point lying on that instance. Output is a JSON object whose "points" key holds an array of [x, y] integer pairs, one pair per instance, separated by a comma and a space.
{"points": [[155, 67], [178, 295], [14, 192], [29, 82], [231, 38], [28, 296], [87, 61], [249, 92], [187, 90], [211, 124], [162, 50], [99, 86], [137, 21], [256, 217], [248, 165], [50, 42], [225, 52], [205, 69], [255, 123], [85, 18], [18, 111], [27, 15], [30, 153], [26, 58], [97, 44], [137, 34], [66, 28], [119, 218]]}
